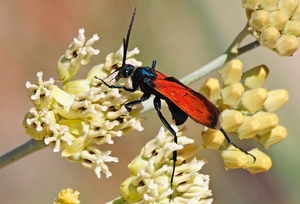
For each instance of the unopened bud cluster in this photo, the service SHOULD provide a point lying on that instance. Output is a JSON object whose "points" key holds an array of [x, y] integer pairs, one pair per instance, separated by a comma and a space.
{"points": [[84, 112], [247, 111], [275, 23], [151, 173]]}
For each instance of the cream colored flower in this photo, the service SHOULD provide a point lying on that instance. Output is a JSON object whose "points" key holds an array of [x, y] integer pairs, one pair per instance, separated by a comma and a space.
{"points": [[84, 112], [151, 173], [248, 112], [276, 24], [40, 93], [79, 53]]}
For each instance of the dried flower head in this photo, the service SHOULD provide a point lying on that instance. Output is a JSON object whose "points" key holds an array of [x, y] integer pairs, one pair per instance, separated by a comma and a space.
{"points": [[247, 111], [84, 112], [151, 173], [276, 24]]}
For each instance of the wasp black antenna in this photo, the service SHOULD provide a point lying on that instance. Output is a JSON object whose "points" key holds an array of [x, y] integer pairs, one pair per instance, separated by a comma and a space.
{"points": [[126, 41], [127, 71]]}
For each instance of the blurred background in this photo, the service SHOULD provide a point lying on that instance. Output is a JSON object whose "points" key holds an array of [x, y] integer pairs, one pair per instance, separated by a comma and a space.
{"points": [[182, 36]]}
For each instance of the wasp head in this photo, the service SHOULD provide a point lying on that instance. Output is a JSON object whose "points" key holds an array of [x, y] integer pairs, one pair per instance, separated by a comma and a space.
{"points": [[125, 71]]}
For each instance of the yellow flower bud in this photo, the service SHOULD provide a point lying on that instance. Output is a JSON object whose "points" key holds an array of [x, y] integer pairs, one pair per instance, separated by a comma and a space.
{"points": [[233, 158], [232, 120], [212, 139], [78, 145], [287, 45], [292, 28], [253, 99], [211, 89], [62, 97], [136, 164], [269, 37], [76, 127], [251, 4], [268, 121], [259, 20], [288, 6], [98, 71], [129, 191], [232, 94], [188, 151], [231, 72], [296, 15], [272, 137], [269, 5], [249, 128], [255, 77], [77, 86], [276, 98], [278, 19], [262, 164]]}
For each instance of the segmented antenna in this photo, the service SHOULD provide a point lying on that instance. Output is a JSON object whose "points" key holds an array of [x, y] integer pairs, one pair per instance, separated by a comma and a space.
{"points": [[125, 47], [126, 41]]}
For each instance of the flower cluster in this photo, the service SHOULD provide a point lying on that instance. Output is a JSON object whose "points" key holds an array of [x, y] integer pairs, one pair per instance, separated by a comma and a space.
{"points": [[67, 196], [276, 24], [151, 173], [247, 111], [84, 112]]}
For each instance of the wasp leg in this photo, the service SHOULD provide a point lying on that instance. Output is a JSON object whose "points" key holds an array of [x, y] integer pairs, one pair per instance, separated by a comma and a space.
{"points": [[157, 105]]}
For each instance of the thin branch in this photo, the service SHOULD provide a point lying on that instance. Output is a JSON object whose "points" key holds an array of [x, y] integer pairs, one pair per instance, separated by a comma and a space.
{"points": [[21, 151], [233, 48]]}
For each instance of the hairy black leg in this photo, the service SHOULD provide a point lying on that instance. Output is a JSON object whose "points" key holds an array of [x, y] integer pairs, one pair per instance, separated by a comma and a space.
{"points": [[157, 106], [230, 142]]}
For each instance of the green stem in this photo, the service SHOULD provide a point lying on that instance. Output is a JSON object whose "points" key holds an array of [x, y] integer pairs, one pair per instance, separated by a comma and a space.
{"points": [[21, 151], [118, 200]]}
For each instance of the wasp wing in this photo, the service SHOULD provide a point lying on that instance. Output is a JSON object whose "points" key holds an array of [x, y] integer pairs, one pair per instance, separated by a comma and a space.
{"points": [[194, 104]]}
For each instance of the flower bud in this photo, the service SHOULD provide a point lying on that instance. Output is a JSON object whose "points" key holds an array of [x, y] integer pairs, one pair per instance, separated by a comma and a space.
{"points": [[268, 121], [211, 89], [262, 164], [278, 19], [276, 98], [234, 158], [288, 6], [231, 72], [249, 128], [269, 37], [232, 94], [259, 20], [129, 191], [272, 137], [77, 86], [287, 45], [292, 28], [253, 99], [232, 120], [296, 15], [269, 5], [251, 4], [137, 163], [255, 77], [212, 139]]}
